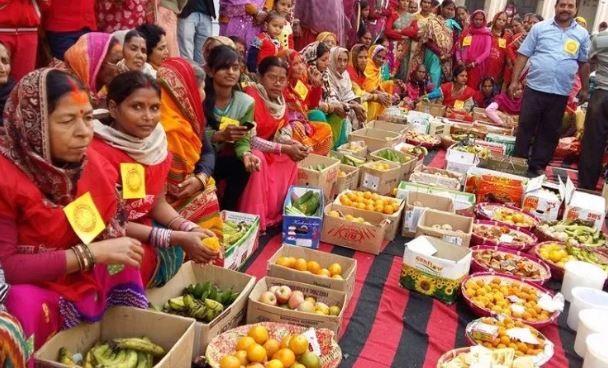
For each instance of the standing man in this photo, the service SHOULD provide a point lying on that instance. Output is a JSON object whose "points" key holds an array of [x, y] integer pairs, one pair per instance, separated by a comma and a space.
{"points": [[65, 21], [556, 49], [596, 120], [194, 25]]}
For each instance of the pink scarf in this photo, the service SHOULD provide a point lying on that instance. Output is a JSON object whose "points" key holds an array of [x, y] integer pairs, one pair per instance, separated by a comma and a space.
{"points": [[507, 104]]}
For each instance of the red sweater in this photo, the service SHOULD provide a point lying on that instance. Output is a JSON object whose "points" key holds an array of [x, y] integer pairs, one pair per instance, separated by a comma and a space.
{"points": [[70, 15], [20, 13]]}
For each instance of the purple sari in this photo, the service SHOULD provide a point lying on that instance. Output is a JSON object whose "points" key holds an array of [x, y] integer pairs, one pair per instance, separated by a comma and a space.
{"points": [[239, 24]]}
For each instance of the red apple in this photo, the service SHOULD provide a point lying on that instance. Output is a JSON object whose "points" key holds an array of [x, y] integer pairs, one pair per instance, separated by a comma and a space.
{"points": [[268, 298], [297, 297], [283, 293]]}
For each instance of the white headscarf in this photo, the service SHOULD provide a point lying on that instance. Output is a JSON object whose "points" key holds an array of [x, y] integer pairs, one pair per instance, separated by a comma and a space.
{"points": [[340, 82]]}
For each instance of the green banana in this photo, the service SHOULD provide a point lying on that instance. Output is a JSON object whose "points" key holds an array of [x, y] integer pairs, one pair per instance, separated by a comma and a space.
{"points": [[144, 360], [103, 355], [177, 304], [137, 344], [89, 361], [128, 360], [188, 301]]}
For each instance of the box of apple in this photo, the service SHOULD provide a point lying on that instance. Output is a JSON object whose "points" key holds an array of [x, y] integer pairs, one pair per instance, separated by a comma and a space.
{"points": [[279, 300]]}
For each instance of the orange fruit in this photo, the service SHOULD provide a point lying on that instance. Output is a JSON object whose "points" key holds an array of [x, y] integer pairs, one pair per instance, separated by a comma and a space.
{"points": [[324, 272], [259, 333], [275, 363], [272, 346], [370, 207], [388, 209], [230, 361], [244, 343], [337, 277], [313, 267], [291, 262], [286, 356], [335, 269], [298, 344], [282, 261], [242, 355], [345, 201], [256, 353], [367, 195], [360, 206], [300, 264], [285, 341]]}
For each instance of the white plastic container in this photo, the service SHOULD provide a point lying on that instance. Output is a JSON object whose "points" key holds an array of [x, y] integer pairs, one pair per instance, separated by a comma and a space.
{"points": [[590, 321], [582, 274], [585, 298], [597, 354]]}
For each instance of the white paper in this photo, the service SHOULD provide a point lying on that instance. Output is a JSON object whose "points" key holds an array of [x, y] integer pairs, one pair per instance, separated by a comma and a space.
{"points": [[522, 334], [456, 240], [546, 302], [422, 246], [517, 308], [370, 181], [313, 343], [414, 215], [506, 238]]}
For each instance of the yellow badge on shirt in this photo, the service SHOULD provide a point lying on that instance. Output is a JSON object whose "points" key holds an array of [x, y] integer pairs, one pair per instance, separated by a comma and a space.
{"points": [[467, 41], [301, 90], [571, 46], [502, 43], [133, 180], [84, 218], [458, 105], [225, 122]]}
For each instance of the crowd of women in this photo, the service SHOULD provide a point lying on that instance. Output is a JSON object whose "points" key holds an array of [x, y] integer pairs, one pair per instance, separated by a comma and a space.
{"points": [[117, 159]]}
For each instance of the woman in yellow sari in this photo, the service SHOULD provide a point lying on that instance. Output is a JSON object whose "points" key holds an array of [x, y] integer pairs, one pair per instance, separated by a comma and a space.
{"points": [[191, 189], [374, 84]]}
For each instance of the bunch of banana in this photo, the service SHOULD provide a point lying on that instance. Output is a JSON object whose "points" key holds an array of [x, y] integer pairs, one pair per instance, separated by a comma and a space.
{"points": [[118, 353], [204, 310], [233, 231], [208, 290]]}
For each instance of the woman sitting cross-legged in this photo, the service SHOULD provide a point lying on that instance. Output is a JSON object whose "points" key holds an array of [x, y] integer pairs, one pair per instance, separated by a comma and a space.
{"points": [[136, 145], [273, 145], [61, 219]]}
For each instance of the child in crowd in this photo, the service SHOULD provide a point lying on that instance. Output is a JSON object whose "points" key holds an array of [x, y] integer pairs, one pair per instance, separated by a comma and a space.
{"points": [[285, 9], [266, 43], [488, 89]]}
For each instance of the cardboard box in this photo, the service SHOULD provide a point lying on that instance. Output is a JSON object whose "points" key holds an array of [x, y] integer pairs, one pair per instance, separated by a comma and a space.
{"points": [[365, 237], [416, 203], [460, 161], [437, 177], [408, 162], [303, 231], [238, 253], [395, 218], [375, 138], [463, 128], [435, 268], [493, 129], [348, 158], [463, 202], [438, 127], [349, 149], [191, 273], [461, 227], [434, 109], [495, 186], [324, 179], [260, 312], [419, 121], [394, 114], [349, 269], [385, 125], [507, 140], [494, 147], [542, 199], [581, 205], [402, 146], [379, 181], [175, 334], [350, 180], [506, 164]]}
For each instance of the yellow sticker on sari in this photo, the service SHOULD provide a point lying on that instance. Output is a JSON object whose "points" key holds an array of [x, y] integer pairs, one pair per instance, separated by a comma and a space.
{"points": [[502, 43], [467, 41], [301, 90], [458, 105], [84, 218], [225, 122], [133, 180], [571, 46]]}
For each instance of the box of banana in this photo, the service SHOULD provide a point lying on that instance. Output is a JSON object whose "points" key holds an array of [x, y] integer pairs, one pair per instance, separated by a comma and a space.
{"points": [[216, 297], [125, 337], [240, 237]]}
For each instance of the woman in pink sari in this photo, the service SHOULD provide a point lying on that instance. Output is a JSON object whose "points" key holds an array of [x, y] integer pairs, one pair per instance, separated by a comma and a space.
{"points": [[473, 48], [273, 145]]}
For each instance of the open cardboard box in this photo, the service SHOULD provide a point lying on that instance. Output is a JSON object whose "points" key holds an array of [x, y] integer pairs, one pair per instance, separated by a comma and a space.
{"points": [[238, 253], [460, 161], [542, 199], [375, 138], [419, 121], [385, 125], [174, 333], [459, 234], [408, 162], [363, 237], [260, 312], [349, 149], [416, 203], [349, 269], [437, 177], [301, 230], [350, 179], [581, 205], [191, 273], [438, 126], [434, 267], [434, 109], [324, 179], [463, 201], [380, 181]]}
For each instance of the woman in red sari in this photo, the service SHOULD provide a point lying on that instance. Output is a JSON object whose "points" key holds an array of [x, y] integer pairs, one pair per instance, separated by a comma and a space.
{"points": [[135, 143], [498, 51], [473, 48], [278, 153], [61, 222], [519, 34], [457, 95]]}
